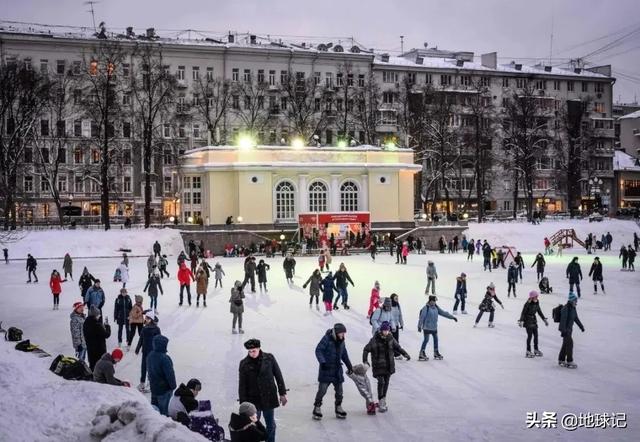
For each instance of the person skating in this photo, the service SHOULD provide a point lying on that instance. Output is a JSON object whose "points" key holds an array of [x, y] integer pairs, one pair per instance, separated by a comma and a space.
{"points": [[373, 248], [331, 353], [202, 283], [544, 286], [360, 378], [609, 239], [529, 321], [461, 293], [547, 246], [5, 253], [512, 278], [95, 335], [262, 270], [245, 426], [250, 273], [185, 276], [157, 249], [193, 262], [398, 251], [262, 384], [86, 280], [122, 308], [145, 343], [314, 283], [136, 320], [124, 274], [632, 258], [428, 326], [32, 265], [67, 266], [405, 252], [95, 296], [184, 401], [236, 307], [486, 256], [624, 254], [574, 273], [568, 316], [151, 263], [328, 287], [470, 250], [55, 284], [519, 264], [152, 287], [396, 310], [162, 378], [342, 278], [162, 266], [636, 241], [76, 323], [596, 274], [218, 273], [540, 263], [105, 371], [487, 305], [374, 300], [383, 314], [478, 247], [432, 275], [321, 261], [382, 348], [288, 265]]}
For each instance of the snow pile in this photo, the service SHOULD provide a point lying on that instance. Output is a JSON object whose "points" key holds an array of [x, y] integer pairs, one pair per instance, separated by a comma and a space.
{"points": [[529, 238], [37, 405], [94, 243]]}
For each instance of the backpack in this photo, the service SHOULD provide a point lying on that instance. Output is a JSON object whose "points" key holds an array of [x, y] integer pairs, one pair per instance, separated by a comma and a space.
{"points": [[71, 368], [14, 334], [25, 346], [556, 313], [204, 422], [117, 276]]}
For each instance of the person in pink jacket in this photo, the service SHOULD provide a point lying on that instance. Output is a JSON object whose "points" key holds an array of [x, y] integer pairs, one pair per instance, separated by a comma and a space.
{"points": [[185, 276], [405, 252], [374, 300]]}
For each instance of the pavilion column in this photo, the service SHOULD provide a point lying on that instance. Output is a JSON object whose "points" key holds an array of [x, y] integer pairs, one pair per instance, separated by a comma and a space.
{"points": [[302, 200], [364, 193], [334, 193]]}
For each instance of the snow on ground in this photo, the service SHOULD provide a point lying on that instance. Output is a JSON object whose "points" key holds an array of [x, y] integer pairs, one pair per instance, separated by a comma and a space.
{"points": [[482, 390], [92, 243], [38, 405]]}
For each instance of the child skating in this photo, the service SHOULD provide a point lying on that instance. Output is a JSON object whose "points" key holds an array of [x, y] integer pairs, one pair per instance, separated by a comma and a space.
{"points": [[487, 305], [529, 321]]}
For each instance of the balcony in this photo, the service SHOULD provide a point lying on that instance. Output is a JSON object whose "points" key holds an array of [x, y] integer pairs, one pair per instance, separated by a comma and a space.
{"points": [[636, 132], [385, 127], [603, 173]]}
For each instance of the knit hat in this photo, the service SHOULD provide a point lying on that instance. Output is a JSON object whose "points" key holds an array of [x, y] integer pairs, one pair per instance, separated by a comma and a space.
{"points": [[463, 274], [252, 343], [572, 297], [491, 286], [376, 284], [385, 326], [533, 294], [138, 299], [78, 304], [117, 354], [360, 369], [433, 298], [387, 302], [247, 409], [194, 384], [149, 314], [94, 311], [339, 328]]}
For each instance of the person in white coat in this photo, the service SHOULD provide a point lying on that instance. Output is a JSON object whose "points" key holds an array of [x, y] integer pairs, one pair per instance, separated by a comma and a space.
{"points": [[382, 314], [124, 274]]}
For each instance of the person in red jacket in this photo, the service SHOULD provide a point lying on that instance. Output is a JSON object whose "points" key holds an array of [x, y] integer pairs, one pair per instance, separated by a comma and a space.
{"points": [[374, 300], [547, 246], [185, 276], [55, 282]]}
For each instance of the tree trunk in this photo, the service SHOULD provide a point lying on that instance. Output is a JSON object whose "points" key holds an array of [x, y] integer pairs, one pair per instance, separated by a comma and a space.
{"points": [[56, 201], [104, 167], [147, 176], [515, 195]]}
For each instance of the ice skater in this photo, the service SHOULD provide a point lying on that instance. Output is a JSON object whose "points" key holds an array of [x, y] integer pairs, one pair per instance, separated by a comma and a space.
{"points": [[185, 276], [432, 275], [520, 265], [55, 283], [202, 284], [262, 270], [314, 282], [153, 285], [596, 274], [374, 300], [32, 265], [236, 307], [460, 293], [574, 274], [512, 278], [487, 305], [360, 378], [67, 266], [328, 287], [539, 263], [529, 321], [568, 316], [289, 265], [428, 326], [218, 273]]}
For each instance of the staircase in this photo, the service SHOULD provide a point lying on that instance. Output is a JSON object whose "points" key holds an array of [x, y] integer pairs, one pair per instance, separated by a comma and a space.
{"points": [[565, 237]]}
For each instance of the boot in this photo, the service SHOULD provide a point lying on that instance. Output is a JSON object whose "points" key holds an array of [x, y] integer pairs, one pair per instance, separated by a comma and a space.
{"points": [[537, 353], [317, 413], [382, 405], [371, 408], [335, 307], [340, 413], [204, 303], [491, 325], [529, 354], [197, 304], [317, 307], [241, 331], [437, 355], [571, 365], [234, 331], [423, 356]]}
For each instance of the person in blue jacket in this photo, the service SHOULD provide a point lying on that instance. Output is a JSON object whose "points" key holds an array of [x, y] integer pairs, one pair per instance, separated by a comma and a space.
{"points": [[574, 274], [162, 378], [461, 293], [145, 342], [428, 325], [95, 296], [328, 286], [568, 316], [331, 352]]}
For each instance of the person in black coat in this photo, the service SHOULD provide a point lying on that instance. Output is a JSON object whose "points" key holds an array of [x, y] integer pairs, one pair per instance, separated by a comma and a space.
{"points": [[574, 273], [382, 348], [596, 275], [245, 426], [250, 273], [95, 336], [519, 264], [528, 320], [121, 310], [157, 249], [331, 353], [149, 331], [568, 316], [184, 401], [342, 277], [32, 264], [289, 265], [539, 262], [262, 384], [262, 269], [85, 282]]}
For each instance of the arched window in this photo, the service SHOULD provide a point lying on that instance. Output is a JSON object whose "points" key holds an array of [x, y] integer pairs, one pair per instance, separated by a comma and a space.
{"points": [[349, 197], [285, 201], [317, 197]]}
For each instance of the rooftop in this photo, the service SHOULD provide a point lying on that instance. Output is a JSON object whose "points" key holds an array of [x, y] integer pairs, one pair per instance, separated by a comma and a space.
{"points": [[635, 114], [626, 162]]}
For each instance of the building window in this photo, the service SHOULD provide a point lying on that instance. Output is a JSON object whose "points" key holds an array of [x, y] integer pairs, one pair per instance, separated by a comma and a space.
{"points": [[126, 99], [196, 198], [62, 184], [505, 82], [44, 128], [339, 79], [78, 156], [272, 78], [166, 185], [411, 77], [585, 86], [126, 129], [44, 66], [260, 76], [556, 85], [520, 83], [235, 101], [235, 74], [599, 88], [427, 78], [180, 73], [445, 80], [195, 73], [126, 156], [95, 156], [388, 97], [196, 130], [78, 186], [465, 80], [349, 197], [599, 107], [247, 76], [285, 201], [318, 195], [389, 77], [60, 66], [28, 184], [349, 80], [328, 79], [284, 77], [182, 131], [126, 184], [125, 69], [541, 85], [570, 86]]}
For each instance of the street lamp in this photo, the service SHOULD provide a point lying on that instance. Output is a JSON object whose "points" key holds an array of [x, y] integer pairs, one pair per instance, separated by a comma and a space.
{"points": [[239, 219], [282, 237]]}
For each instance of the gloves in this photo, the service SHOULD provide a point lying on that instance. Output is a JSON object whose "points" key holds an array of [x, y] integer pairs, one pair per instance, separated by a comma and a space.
{"points": [[283, 400], [304, 286], [419, 330], [520, 323], [407, 357], [546, 323], [455, 319], [582, 329], [349, 371], [502, 306], [402, 327]]}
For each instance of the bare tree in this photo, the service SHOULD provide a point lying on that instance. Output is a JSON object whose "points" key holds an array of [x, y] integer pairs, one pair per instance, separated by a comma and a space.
{"points": [[306, 112], [23, 96], [525, 133], [153, 89], [345, 101], [252, 111], [367, 99], [212, 105], [101, 87]]}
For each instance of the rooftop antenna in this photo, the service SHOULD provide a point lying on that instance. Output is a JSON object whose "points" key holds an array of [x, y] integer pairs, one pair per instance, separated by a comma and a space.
{"points": [[93, 16], [551, 38], [401, 44]]}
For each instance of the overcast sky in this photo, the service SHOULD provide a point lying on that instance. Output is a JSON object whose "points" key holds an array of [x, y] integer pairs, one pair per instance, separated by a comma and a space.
{"points": [[513, 28]]}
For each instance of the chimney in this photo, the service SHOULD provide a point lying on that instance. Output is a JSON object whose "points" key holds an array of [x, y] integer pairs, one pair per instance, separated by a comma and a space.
{"points": [[518, 67], [385, 58], [547, 68], [252, 39], [419, 60], [459, 63], [577, 70], [231, 38], [151, 32], [489, 60], [130, 33]]}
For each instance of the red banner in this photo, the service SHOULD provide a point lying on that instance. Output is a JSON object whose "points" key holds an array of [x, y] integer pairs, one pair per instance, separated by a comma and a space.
{"points": [[341, 225]]}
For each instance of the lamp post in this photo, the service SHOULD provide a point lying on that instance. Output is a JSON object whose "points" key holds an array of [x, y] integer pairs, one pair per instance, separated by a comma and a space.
{"points": [[69, 208], [176, 200], [594, 189]]}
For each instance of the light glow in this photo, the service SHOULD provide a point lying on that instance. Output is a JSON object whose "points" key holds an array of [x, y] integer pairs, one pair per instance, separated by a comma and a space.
{"points": [[297, 143], [246, 142]]}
